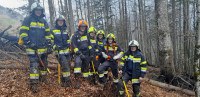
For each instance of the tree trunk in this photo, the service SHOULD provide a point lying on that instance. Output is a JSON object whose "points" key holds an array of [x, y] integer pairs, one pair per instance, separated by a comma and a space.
{"points": [[30, 2], [165, 44], [52, 12], [71, 16], [197, 52]]}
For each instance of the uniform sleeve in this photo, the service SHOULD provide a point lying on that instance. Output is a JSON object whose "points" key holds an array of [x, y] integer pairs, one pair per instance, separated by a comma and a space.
{"points": [[89, 44], [47, 31], [52, 36], [122, 62], [74, 43], [120, 50], [24, 30], [143, 66]]}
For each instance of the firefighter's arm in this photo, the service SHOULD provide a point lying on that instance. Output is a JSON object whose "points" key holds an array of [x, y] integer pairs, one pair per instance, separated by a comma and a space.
{"points": [[24, 30], [74, 43], [119, 55], [143, 66], [47, 32]]}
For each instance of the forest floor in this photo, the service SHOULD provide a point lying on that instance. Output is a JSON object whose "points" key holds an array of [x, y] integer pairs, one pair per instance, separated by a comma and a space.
{"points": [[15, 82]]}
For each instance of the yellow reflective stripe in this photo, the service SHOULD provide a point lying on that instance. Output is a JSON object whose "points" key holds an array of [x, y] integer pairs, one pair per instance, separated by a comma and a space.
{"points": [[123, 58], [34, 75], [24, 27], [56, 31], [92, 41], [43, 72], [87, 73], [48, 37], [23, 34], [121, 92], [116, 80], [33, 23], [47, 29], [66, 74], [52, 36], [122, 63], [135, 81], [90, 47], [126, 57], [76, 49], [39, 50], [138, 95], [68, 41], [61, 51], [100, 42], [145, 62], [137, 59], [83, 37], [40, 24], [101, 75], [97, 50], [143, 68], [77, 70], [105, 72], [122, 52]]}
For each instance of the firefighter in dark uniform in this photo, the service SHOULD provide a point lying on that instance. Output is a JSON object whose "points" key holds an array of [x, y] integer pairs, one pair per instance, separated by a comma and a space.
{"points": [[111, 53], [61, 46], [35, 34], [133, 66], [82, 50], [92, 34]]}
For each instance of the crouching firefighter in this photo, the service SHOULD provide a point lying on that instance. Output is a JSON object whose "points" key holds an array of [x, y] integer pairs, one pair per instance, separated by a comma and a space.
{"points": [[101, 41], [133, 66], [94, 56], [82, 50], [35, 34], [62, 49], [111, 53]]}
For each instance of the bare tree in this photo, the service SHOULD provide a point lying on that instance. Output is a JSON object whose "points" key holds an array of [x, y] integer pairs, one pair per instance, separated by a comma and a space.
{"points": [[52, 12], [165, 44], [197, 52]]}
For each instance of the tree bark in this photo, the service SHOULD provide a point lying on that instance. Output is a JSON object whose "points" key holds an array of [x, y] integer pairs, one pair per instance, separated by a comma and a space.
{"points": [[71, 16], [52, 12], [165, 44], [197, 52]]}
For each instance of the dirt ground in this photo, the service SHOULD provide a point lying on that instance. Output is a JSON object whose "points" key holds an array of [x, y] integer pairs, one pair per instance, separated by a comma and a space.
{"points": [[16, 83]]}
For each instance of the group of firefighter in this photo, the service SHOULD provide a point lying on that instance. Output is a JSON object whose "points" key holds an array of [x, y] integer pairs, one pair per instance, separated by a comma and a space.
{"points": [[94, 53]]}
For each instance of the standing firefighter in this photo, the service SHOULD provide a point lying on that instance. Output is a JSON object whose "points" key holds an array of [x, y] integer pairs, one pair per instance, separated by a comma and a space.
{"points": [[61, 46], [111, 53], [134, 68], [93, 64], [82, 50], [36, 37], [101, 42]]}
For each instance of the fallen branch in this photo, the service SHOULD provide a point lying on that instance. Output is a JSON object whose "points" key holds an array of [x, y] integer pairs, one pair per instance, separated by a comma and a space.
{"points": [[15, 58], [170, 87]]}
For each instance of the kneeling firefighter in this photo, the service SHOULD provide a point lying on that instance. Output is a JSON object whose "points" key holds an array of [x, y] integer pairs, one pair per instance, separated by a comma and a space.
{"points": [[111, 52]]}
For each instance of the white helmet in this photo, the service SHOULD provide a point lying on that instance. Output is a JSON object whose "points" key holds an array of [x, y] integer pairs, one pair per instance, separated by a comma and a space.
{"points": [[133, 43], [60, 17], [36, 5]]}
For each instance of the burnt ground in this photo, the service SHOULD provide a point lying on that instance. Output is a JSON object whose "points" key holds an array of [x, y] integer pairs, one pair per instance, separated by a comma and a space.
{"points": [[15, 82]]}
